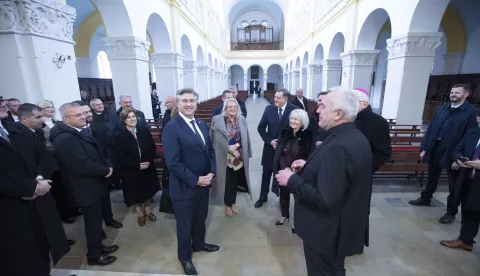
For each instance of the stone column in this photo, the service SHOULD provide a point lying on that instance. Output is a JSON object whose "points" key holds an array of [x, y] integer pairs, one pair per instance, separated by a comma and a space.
{"points": [[357, 70], [202, 81], [332, 73], [245, 82], [129, 63], [220, 86], [303, 84], [229, 79], [84, 68], [265, 80], [291, 82], [211, 82], [285, 80], [169, 72], [314, 80], [296, 76], [37, 58], [452, 63], [410, 59], [190, 71]]}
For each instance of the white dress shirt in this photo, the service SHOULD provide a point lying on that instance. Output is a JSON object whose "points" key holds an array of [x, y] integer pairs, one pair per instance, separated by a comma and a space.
{"points": [[187, 120]]}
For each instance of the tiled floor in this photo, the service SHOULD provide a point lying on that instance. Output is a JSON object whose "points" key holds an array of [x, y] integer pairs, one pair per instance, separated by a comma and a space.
{"points": [[404, 240]]}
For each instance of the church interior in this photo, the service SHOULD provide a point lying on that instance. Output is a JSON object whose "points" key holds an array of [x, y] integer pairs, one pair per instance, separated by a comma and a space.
{"points": [[406, 54]]}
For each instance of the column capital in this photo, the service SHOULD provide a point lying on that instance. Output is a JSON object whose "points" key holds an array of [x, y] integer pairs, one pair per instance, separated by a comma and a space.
{"points": [[45, 18], [314, 69], [296, 73], [359, 57], [413, 45], [285, 75], [167, 60], [332, 64], [125, 48], [189, 66]]}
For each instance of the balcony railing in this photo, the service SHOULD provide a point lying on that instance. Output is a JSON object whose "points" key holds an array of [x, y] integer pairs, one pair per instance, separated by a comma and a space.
{"points": [[242, 46]]}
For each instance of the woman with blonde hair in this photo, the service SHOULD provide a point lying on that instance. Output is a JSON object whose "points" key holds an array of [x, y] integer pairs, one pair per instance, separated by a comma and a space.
{"points": [[231, 142]]}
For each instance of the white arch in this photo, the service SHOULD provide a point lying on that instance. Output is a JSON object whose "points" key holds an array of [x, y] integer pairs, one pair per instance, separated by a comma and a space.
{"points": [[305, 59], [297, 63], [210, 62], [318, 56], [186, 48], [337, 46], [428, 15], [159, 32], [200, 57], [115, 17], [369, 32]]}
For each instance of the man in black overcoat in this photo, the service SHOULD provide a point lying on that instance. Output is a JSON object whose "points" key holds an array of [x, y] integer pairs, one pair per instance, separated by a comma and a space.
{"points": [[31, 230], [332, 189], [86, 170], [275, 118], [299, 100], [467, 189]]}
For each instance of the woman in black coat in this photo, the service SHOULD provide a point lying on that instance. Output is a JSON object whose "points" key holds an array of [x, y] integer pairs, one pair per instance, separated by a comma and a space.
{"points": [[135, 150], [295, 142]]}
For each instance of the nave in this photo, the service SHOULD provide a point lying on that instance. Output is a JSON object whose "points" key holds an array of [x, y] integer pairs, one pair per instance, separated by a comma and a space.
{"points": [[404, 239]]}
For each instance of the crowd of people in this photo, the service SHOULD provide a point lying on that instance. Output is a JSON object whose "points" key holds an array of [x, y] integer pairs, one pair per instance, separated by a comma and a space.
{"points": [[54, 171]]}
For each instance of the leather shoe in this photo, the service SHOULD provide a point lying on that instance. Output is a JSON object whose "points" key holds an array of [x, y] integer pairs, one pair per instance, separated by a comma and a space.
{"points": [[103, 260], [104, 235], [109, 249], [69, 220], [260, 202], [207, 248], [188, 268], [447, 218], [71, 242], [457, 244], [114, 224], [420, 202]]}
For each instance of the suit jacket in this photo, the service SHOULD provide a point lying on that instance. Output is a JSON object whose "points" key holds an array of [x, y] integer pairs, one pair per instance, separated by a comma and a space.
{"points": [[83, 164], [297, 102], [166, 117], [116, 125], [464, 191], [101, 134], [217, 110], [187, 157], [269, 129], [243, 107], [20, 163], [332, 193]]}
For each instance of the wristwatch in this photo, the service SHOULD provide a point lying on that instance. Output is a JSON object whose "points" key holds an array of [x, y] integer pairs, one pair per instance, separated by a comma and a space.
{"points": [[237, 144]]}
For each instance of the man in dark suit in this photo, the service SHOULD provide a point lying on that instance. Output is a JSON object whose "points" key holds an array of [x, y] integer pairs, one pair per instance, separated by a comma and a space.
{"points": [[190, 160], [275, 118], [332, 189], [31, 228], [467, 190], [101, 135], [156, 104], [227, 94], [447, 127], [86, 170], [170, 103], [241, 103], [117, 125], [13, 105], [99, 113], [299, 100]]}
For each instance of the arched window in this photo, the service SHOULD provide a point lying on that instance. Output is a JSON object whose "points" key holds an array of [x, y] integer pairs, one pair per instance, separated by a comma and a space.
{"points": [[254, 23], [103, 65], [264, 23], [244, 24]]}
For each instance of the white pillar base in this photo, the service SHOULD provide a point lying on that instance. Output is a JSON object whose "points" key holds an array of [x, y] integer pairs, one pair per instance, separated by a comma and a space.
{"points": [[190, 71], [202, 78]]}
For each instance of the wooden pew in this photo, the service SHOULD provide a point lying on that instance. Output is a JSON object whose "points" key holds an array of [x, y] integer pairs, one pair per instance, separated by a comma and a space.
{"points": [[404, 164]]}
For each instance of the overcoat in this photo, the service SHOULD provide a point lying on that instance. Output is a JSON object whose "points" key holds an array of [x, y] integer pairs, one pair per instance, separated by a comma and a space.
{"points": [[219, 137], [29, 228]]}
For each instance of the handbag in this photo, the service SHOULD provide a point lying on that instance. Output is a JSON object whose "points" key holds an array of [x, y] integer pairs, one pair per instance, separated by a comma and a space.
{"points": [[232, 161]]}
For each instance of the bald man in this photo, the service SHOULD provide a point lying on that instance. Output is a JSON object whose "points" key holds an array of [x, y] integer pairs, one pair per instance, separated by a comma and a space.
{"points": [[170, 103]]}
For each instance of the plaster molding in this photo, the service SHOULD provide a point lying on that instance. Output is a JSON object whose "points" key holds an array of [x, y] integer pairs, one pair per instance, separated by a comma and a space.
{"points": [[359, 58], [167, 60], [314, 69], [202, 69], [332, 64], [45, 18], [413, 45], [189, 66], [296, 73], [126, 48]]}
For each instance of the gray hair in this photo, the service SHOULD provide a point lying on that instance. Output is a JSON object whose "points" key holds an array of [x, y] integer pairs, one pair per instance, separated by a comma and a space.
{"points": [[285, 92], [233, 88], [122, 97], [225, 106], [66, 106], [362, 97], [186, 91], [302, 116], [346, 101], [93, 100]]}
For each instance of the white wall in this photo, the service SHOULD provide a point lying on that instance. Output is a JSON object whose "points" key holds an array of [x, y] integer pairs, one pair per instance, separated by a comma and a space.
{"points": [[236, 75]]}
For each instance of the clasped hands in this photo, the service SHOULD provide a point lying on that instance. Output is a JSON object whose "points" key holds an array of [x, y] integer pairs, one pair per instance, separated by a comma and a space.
{"points": [[43, 187], [468, 164], [284, 175], [205, 180], [144, 165], [233, 149]]}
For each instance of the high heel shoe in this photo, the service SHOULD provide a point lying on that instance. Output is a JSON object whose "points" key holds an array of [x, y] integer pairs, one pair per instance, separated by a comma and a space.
{"points": [[282, 223], [294, 231]]}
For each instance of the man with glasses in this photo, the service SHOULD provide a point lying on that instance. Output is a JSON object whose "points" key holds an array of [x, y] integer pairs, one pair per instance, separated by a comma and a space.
{"points": [[170, 103], [87, 171]]}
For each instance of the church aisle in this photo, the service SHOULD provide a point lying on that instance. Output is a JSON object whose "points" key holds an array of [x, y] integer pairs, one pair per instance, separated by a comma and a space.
{"points": [[404, 240]]}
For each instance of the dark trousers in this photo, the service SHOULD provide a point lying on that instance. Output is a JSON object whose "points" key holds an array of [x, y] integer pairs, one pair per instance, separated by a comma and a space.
{"points": [[470, 224], [434, 171], [107, 214], [266, 177], [63, 202], [92, 216], [285, 201], [321, 265], [190, 215], [233, 180]]}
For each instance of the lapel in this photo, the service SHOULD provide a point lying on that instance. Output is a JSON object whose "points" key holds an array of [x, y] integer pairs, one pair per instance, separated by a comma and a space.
{"points": [[222, 126], [9, 128], [190, 132], [243, 130], [19, 145], [284, 113], [319, 149], [204, 130]]}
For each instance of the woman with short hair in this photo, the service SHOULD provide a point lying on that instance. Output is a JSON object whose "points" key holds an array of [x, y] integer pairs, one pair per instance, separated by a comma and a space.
{"points": [[295, 142], [135, 152]]}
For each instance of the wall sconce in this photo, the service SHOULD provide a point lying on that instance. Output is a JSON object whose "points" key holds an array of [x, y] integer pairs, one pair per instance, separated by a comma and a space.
{"points": [[59, 59]]}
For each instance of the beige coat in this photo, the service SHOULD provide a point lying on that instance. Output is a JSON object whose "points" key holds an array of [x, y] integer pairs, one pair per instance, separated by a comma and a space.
{"points": [[219, 137]]}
